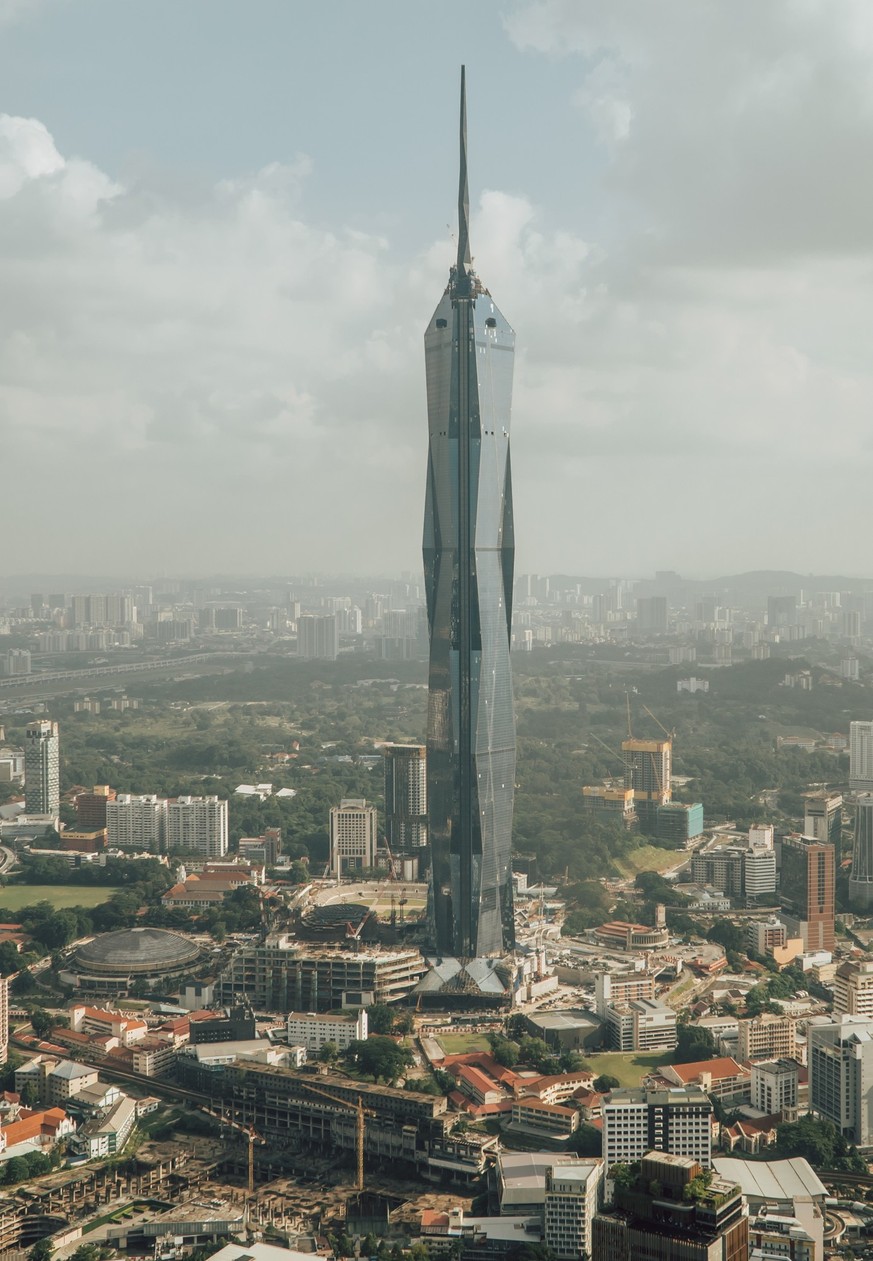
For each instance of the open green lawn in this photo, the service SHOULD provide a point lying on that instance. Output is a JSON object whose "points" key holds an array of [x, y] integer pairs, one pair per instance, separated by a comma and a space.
{"points": [[648, 858], [460, 1043], [628, 1066], [15, 896]]}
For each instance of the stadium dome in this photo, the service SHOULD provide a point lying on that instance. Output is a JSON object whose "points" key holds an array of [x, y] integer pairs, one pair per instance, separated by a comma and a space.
{"points": [[135, 953]]}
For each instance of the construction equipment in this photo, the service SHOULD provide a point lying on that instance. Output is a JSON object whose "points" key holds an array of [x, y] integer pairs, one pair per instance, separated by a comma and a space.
{"points": [[251, 1134], [360, 1112]]}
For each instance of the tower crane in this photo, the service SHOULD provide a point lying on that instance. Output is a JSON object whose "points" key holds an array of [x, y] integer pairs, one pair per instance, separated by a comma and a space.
{"points": [[360, 1112], [252, 1137]]}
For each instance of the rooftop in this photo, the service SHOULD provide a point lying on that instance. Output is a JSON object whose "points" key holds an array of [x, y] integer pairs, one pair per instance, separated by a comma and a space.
{"points": [[772, 1180]]}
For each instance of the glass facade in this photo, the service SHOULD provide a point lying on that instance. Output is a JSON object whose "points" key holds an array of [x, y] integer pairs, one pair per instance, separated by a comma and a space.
{"points": [[468, 569]]}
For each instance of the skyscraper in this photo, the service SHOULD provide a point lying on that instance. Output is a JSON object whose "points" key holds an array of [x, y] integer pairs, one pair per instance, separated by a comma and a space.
{"points": [[468, 569], [405, 798], [42, 793], [861, 757], [861, 876], [806, 890]]}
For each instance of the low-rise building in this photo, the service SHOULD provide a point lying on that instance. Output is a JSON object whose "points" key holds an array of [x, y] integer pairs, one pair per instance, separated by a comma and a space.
{"points": [[107, 1135], [642, 1025], [723, 1077], [313, 1031], [543, 1120]]}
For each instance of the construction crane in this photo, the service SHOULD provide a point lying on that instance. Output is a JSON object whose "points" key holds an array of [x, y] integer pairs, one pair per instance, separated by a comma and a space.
{"points": [[360, 1112], [354, 933], [252, 1137]]}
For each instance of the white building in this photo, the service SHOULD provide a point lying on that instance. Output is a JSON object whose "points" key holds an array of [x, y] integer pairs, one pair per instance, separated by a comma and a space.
{"points": [[759, 872], [309, 1030], [840, 1058], [861, 757], [197, 825], [17, 661], [137, 823], [42, 791], [853, 989], [644, 1024], [353, 836], [636, 1121], [573, 1195], [621, 987], [317, 637], [774, 1087]]}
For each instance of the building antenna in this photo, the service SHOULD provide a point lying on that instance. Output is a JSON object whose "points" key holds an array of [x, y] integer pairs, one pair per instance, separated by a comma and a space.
{"points": [[463, 193]]}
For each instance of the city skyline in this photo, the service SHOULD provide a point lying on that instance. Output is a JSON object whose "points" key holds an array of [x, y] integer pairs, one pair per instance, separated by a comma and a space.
{"points": [[215, 291]]}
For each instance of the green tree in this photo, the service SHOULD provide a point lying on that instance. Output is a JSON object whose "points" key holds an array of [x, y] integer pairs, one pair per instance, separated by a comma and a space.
{"points": [[504, 1050], [379, 1057], [42, 1250], [380, 1018], [41, 1022], [693, 1044], [605, 1083], [328, 1053]]}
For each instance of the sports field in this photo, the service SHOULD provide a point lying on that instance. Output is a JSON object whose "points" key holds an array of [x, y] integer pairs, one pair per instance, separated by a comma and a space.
{"points": [[14, 896], [461, 1043], [628, 1066]]}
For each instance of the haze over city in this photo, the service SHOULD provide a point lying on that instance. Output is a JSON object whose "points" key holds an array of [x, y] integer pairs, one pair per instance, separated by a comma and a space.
{"points": [[224, 229]]}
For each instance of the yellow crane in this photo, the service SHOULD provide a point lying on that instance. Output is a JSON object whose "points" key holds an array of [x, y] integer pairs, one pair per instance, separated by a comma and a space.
{"points": [[252, 1137], [360, 1112]]}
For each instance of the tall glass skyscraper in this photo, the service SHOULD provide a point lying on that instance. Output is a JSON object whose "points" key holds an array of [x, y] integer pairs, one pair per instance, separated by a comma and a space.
{"points": [[468, 569]]}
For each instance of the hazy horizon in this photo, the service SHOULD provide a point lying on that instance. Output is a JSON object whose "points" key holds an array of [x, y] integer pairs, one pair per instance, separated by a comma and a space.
{"points": [[223, 230]]}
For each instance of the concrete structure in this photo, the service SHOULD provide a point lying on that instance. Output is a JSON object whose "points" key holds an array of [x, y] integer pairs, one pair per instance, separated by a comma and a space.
{"points": [[4, 1019], [354, 834], [840, 1057], [790, 1188], [543, 1121], [91, 807], [42, 792], [636, 1121], [774, 1087], [572, 1198], [137, 823], [309, 1030], [644, 1024], [861, 876], [566, 1030], [317, 638], [853, 989], [823, 817], [112, 962], [469, 553], [861, 757], [806, 890], [197, 825], [621, 987], [723, 1077], [406, 798], [767, 1036]]}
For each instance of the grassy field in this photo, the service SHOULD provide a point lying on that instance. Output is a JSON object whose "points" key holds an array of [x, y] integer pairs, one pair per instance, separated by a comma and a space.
{"points": [[648, 858], [460, 1043], [15, 896], [628, 1066]]}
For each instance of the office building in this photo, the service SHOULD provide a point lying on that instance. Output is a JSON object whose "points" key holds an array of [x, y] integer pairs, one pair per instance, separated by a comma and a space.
{"points": [[806, 891], [647, 770], [765, 936], [137, 823], [317, 638], [469, 550], [635, 1121], [823, 817], [774, 1087], [853, 989], [861, 875], [572, 1198], [284, 974], [262, 849], [405, 798], [840, 1058], [861, 757], [197, 825], [652, 615], [643, 1024], [353, 837], [665, 1211], [309, 1030], [91, 808], [42, 791], [617, 988], [767, 1036]]}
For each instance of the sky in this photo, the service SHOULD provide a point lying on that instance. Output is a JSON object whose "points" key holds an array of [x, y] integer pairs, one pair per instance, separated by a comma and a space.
{"points": [[224, 227]]}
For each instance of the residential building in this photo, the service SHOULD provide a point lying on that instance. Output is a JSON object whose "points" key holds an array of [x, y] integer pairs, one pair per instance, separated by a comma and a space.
{"points": [[91, 807], [405, 798], [353, 837], [861, 875], [42, 792], [767, 1036], [621, 987], [309, 1030], [573, 1195], [853, 989], [107, 1135], [666, 1212], [469, 549], [317, 638], [861, 757], [137, 823], [197, 825], [17, 661], [636, 1121], [652, 615], [823, 817], [774, 1087], [283, 974], [840, 1057], [96, 1022], [806, 890], [644, 1024]]}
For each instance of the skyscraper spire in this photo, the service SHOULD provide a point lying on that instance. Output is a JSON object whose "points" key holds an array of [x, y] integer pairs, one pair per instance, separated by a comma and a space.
{"points": [[463, 191]]}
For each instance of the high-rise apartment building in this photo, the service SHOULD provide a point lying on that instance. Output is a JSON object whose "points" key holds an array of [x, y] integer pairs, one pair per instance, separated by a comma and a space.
{"points": [[4, 1018], [353, 836], [91, 807], [861, 757], [405, 797], [823, 817], [42, 783], [652, 615], [861, 875], [469, 551], [197, 825], [573, 1193], [136, 823], [636, 1121], [317, 637], [782, 610], [806, 890], [664, 1212], [17, 661], [841, 1076]]}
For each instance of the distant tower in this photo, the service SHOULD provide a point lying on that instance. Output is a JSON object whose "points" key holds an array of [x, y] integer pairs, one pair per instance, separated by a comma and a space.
{"points": [[861, 757], [406, 798], [42, 791], [806, 890], [861, 878], [469, 553], [353, 836]]}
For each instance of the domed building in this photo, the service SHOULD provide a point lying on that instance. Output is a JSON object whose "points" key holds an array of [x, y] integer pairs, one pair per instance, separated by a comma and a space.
{"points": [[112, 962]]}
